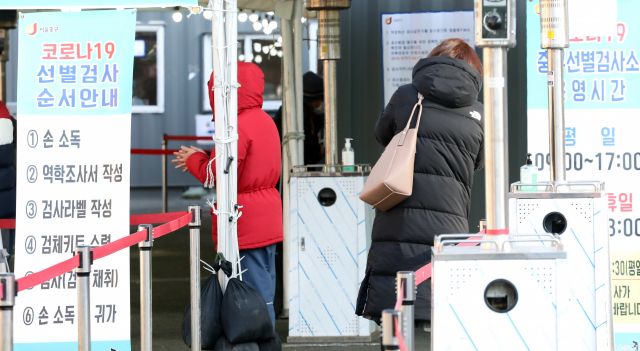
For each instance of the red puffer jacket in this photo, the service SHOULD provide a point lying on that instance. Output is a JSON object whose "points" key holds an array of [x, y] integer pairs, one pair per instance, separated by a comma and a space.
{"points": [[259, 164]]}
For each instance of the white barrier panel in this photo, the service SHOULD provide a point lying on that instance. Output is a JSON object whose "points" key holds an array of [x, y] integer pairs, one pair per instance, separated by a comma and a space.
{"points": [[330, 237], [74, 140]]}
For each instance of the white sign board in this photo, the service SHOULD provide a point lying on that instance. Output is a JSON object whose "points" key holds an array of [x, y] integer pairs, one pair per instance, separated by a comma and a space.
{"points": [[74, 136], [409, 37]]}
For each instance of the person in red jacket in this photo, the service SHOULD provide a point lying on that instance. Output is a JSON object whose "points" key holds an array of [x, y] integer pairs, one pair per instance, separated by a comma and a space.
{"points": [[259, 164]]}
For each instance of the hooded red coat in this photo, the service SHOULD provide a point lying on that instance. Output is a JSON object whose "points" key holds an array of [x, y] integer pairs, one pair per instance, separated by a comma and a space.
{"points": [[259, 164]]}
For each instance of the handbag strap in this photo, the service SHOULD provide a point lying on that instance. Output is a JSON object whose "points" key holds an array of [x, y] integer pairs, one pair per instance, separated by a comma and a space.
{"points": [[406, 128]]}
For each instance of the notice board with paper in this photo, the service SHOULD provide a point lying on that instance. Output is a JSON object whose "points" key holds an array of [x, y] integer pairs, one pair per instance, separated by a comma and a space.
{"points": [[408, 37]]}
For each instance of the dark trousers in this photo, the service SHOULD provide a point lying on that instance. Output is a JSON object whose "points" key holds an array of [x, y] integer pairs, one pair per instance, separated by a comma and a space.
{"points": [[261, 274]]}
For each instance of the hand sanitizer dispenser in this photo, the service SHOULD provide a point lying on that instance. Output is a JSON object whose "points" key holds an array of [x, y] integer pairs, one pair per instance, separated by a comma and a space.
{"points": [[348, 156]]}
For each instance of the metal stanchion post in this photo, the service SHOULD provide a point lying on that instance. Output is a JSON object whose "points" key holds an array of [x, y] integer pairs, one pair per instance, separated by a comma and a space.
{"points": [[389, 337], [165, 202], [84, 304], [146, 326], [407, 280], [7, 302], [194, 233]]}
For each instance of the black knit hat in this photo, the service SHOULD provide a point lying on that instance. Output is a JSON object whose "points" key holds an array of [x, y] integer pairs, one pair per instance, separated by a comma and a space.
{"points": [[312, 86]]}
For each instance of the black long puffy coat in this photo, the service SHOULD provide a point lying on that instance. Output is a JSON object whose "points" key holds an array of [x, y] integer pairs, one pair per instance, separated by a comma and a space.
{"points": [[449, 151]]}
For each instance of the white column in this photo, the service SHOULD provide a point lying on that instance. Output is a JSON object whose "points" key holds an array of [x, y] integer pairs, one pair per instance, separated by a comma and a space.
{"points": [[225, 68]]}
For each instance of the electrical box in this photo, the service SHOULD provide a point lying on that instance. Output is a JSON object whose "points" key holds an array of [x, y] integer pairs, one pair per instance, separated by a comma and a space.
{"points": [[577, 212], [330, 236], [497, 296], [495, 23]]}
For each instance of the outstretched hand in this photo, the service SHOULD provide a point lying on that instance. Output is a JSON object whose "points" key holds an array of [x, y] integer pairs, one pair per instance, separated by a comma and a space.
{"points": [[183, 154]]}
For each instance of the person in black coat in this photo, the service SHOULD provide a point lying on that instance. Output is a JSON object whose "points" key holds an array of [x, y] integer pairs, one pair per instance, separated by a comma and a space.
{"points": [[449, 151], [313, 110]]}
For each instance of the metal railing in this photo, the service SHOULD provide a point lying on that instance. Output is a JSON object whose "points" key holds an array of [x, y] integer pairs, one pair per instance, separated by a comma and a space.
{"points": [[9, 286]]}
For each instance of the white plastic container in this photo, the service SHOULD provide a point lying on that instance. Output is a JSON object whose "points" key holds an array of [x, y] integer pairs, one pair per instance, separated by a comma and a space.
{"points": [[348, 156], [529, 175]]}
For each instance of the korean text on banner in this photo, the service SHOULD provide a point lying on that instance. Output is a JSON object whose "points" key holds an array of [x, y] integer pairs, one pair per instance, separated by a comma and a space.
{"points": [[92, 4], [408, 37], [74, 103], [601, 119]]}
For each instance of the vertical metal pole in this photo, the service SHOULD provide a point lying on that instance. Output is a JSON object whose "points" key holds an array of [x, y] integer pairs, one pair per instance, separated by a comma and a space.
{"points": [[286, 247], [4, 36], [389, 338], [165, 203], [7, 302], [84, 304], [289, 76], [407, 280], [4, 263], [297, 74], [329, 51], [554, 36], [194, 262], [146, 325], [556, 114], [496, 139], [331, 117], [3, 80]]}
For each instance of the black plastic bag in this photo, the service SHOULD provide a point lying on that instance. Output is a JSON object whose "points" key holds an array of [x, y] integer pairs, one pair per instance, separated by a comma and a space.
{"points": [[210, 306], [271, 345], [245, 316], [225, 345]]}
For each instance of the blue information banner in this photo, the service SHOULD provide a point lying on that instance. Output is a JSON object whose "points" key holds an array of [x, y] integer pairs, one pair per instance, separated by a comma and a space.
{"points": [[99, 4], [75, 76], [600, 72], [602, 119]]}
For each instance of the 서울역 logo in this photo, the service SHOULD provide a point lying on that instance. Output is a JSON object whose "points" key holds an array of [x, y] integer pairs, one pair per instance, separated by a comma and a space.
{"points": [[32, 29], [388, 20]]}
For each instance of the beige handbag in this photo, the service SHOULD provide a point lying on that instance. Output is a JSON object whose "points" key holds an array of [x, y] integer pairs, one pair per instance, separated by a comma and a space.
{"points": [[391, 179]]}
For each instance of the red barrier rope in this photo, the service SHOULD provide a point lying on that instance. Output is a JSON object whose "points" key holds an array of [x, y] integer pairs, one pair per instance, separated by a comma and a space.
{"points": [[103, 251], [152, 152], [155, 218], [185, 137], [7, 224], [46, 274], [133, 219]]}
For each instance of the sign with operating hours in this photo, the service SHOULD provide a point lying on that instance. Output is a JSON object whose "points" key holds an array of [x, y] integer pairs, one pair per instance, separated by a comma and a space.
{"points": [[601, 141], [74, 103]]}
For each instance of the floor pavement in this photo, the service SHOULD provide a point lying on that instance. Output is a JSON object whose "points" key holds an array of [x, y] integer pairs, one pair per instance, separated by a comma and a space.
{"points": [[170, 262]]}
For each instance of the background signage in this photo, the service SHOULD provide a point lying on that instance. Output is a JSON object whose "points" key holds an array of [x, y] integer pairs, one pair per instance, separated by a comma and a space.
{"points": [[602, 119], [51, 4], [408, 37], [74, 135]]}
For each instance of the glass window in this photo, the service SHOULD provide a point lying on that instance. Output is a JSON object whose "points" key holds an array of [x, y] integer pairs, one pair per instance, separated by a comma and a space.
{"points": [[148, 70], [263, 50]]}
